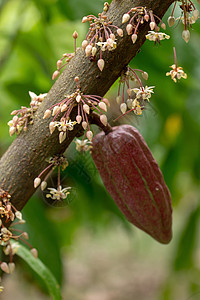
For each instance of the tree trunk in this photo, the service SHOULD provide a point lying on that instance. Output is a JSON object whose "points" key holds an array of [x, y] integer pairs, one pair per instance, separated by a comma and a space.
{"points": [[26, 157]]}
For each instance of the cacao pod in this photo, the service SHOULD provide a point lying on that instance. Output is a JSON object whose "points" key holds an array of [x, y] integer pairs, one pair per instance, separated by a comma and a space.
{"points": [[134, 180]]}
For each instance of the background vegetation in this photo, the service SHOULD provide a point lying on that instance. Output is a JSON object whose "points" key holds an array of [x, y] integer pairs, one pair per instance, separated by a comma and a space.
{"points": [[87, 244]]}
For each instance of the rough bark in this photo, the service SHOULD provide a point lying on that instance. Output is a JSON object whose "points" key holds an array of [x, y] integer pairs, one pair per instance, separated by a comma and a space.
{"points": [[26, 157]]}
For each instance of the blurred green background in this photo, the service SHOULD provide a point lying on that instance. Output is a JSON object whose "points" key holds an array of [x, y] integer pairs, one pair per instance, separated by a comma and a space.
{"points": [[90, 248]]}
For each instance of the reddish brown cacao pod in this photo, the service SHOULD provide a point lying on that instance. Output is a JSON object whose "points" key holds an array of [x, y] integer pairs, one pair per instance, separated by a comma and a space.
{"points": [[134, 180]]}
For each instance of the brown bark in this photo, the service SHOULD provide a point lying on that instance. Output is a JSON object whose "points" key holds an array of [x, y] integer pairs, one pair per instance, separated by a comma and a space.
{"points": [[26, 157]]}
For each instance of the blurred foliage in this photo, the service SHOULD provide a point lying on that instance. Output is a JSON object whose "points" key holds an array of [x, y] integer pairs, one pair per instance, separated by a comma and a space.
{"points": [[33, 36], [184, 258]]}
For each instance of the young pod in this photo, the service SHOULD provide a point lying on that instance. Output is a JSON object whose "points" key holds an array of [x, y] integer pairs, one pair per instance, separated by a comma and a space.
{"points": [[134, 180]]}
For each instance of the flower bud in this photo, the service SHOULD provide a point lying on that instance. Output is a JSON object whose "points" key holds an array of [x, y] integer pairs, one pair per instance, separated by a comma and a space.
{"points": [[47, 114], [103, 106], [84, 19], [104, 120], [84, 125], [146, 17], [5, 268], [37, 182], [10, 123], [129, 91], [56, 109], [59, 63], [18, 215], [75, 35], [86, 108], [15, 111], [134, 38], [62, 137], [88, 50], [118, 99], [15, 120], [94, 51], [123, 108], [12, 130], [125, 18], [145, 75], [112, 36], [89, 135], [43, 185], [100, 64], [34, 252], [78, 119], [120, 32], [171, 21], [64, 107], [152, 25], [55, 75], [84, 44], [129, 29], [78, 98], [52, 127], [11, 266], [25, 235], [163, 26], [186, 35], [76, 79], [195, 14], [106, 6]]}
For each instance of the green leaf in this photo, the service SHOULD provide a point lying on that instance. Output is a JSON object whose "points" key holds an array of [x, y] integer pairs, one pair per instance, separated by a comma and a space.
{"points": [[45, 274]]}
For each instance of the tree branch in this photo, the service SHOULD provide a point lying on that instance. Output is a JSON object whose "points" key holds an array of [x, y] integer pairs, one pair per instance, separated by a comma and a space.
{"points": [[26, 157]]}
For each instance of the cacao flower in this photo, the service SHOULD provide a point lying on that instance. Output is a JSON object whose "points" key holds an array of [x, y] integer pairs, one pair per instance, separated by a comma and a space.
{"points": [[134, 180]]}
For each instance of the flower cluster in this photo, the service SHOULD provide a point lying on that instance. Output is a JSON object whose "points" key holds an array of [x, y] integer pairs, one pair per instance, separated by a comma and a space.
{"points": [[63, 126], [141, 94], [157, 36], [59, 193], [8, 213], [60, 162], [101, 35], [84, 104], [62, 62], [176, 72], [189, 15], [24, 116], [83, 145], [140, 16]]}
